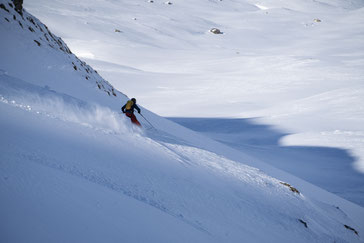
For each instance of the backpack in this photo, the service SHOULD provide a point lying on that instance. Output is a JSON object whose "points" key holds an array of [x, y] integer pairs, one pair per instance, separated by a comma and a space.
{"points": [[129, 105]]}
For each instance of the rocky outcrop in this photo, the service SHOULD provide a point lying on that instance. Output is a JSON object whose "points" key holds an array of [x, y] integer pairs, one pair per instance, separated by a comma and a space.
{"points": [[18, 6], [293, 189], [216, 31]]}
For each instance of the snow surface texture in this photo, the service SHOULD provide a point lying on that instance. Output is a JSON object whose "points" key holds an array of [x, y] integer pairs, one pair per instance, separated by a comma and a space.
{"points": [[73, 170], [294, 64], [329, 168], [72, 180]]}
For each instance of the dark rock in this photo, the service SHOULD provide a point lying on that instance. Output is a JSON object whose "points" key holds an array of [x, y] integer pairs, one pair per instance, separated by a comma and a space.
{"points": [[216, 31], [18, 6], [31, 29], [2, 6], [31, 20], [7, 19], [303, 222], [290, 187], [38, 43], [352, 229]]}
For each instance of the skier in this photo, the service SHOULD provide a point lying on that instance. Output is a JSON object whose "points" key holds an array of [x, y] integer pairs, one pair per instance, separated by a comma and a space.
{"points": [[128, 109]]}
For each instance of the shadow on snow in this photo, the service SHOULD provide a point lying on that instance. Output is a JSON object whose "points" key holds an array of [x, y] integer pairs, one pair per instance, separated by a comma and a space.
{"points": [[328, 168]]}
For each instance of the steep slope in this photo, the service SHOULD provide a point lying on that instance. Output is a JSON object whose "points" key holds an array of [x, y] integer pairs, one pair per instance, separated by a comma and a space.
{"points": [[51, 64], [73, 169], [61, 167], [296, 64]]}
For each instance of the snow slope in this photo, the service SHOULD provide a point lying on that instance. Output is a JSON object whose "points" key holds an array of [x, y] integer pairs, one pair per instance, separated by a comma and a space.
{"points": [[328, 168], [297, 65], [77, 180], [74, 170]]}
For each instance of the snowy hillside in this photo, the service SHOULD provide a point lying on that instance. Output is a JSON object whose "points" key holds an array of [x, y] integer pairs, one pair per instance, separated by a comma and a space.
{"points": [[63, 72], [296, 65], [73, 169]]}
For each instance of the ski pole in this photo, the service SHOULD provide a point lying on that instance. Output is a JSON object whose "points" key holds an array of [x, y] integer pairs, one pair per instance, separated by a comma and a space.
{"points": [[147, 120]]}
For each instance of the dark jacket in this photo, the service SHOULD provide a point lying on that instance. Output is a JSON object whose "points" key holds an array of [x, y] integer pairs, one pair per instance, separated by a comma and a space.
{"points": [[134, 106]]}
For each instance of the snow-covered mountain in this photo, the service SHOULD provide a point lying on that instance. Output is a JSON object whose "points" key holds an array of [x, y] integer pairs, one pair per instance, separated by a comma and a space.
{"points": [[296, 66], [73, 169]]}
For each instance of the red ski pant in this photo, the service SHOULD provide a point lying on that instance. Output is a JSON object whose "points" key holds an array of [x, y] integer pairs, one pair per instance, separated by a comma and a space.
{"points": [[133, 118]]}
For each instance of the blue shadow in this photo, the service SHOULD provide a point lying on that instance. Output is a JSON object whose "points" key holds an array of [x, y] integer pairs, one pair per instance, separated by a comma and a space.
{"points": [[328, 168]]}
